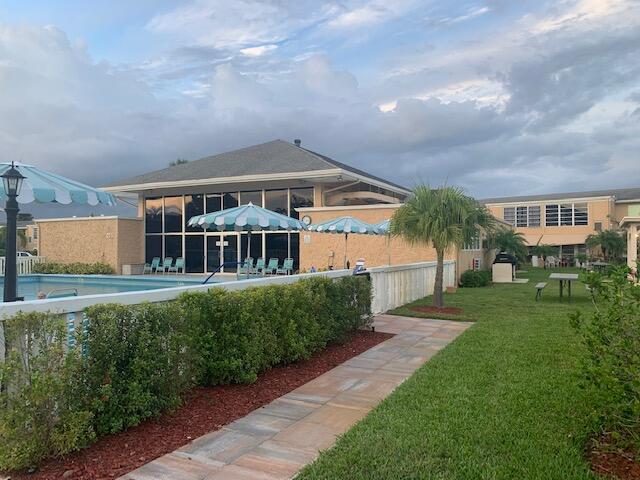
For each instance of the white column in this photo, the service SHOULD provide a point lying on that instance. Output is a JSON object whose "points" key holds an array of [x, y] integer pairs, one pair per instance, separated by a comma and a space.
{"points": [[632, 245]]}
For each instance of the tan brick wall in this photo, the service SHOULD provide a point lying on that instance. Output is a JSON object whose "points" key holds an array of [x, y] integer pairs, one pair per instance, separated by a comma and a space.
{"points": [[373, 248], [114, 241]]}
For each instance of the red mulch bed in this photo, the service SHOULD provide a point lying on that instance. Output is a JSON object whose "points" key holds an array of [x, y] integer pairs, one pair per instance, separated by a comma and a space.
{"points": [[204, 410], [431, 309], [619, 464]]}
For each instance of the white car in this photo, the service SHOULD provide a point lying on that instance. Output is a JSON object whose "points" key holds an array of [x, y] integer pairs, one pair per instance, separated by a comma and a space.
{"points": [[24, 254]]}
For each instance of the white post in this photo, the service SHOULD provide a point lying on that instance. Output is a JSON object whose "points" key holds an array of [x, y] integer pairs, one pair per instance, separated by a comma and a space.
{"points": [[632, 245]]}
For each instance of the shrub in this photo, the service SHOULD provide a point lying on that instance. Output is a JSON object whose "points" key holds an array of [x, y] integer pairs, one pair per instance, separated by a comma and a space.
{"points": [[77, 268], [611, 366], [137, 363], [475, 278], [136, 360], [41, 399]]}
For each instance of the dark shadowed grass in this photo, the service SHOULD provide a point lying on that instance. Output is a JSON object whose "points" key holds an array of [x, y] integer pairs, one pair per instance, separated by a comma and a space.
{"points": [[501, 402]]}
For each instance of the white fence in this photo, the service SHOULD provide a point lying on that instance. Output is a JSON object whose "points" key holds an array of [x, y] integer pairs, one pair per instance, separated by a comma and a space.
{"points": [[391, 287], [24, 264]]}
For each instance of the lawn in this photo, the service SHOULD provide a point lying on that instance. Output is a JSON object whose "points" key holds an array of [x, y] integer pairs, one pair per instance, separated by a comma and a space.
{"points": [[501, 402]]}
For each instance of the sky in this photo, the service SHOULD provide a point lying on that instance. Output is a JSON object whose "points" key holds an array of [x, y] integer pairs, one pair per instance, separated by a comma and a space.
{"points": [[499, 97]]}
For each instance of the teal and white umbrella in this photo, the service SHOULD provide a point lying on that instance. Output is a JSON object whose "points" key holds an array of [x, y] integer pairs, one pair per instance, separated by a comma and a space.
{"points": [[45, 187], [344, 225], [246, 218]]}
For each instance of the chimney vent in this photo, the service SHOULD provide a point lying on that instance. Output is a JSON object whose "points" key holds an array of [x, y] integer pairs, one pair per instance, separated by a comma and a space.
{"points": [[298, 142]]}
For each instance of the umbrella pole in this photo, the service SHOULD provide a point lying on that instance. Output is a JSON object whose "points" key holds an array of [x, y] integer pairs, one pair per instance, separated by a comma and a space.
{"points": [[346, 237]]}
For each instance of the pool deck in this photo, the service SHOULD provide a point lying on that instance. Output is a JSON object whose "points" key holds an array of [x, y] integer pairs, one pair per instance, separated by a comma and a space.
{"points": [[276, 441]]}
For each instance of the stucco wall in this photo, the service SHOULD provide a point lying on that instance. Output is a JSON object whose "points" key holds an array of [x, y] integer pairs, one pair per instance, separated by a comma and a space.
{"points": [[316, 249], [112, 240], [600, 210]]}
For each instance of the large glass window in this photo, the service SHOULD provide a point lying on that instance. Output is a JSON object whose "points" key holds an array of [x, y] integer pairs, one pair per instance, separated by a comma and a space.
{"points": [[277, 246], [214, 248], [214, 203], [193, 205], [230, 252], [277, 201], [300, 198], [521, 217], [566, 214], [256, 245], [172, 214], [153, 247], [254, 197], [194, 253], [153, 215], [230, 200], [294, 251], [534, 215], [173, 246]]}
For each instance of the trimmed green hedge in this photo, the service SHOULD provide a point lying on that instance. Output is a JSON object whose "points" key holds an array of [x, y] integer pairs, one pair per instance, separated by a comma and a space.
{"points": [[136, 361], [475, 278], [77, 268]]}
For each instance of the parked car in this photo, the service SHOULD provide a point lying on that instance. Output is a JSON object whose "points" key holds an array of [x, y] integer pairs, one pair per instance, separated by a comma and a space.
{"points": [[24, 254]]}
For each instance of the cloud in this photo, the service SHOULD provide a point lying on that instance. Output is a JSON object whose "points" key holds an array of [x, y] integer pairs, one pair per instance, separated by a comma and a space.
{"points": [[258, 51]]}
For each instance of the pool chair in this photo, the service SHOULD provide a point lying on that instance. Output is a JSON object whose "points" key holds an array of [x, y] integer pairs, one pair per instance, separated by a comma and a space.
{"points": [[287, 267], [259, 269], [247, 267], [151, 267], [272, 266], [178, 267], [166, 264]]}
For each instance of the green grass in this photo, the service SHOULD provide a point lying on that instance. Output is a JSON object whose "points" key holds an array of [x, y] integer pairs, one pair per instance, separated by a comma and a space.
{"points": [[503, 401]]}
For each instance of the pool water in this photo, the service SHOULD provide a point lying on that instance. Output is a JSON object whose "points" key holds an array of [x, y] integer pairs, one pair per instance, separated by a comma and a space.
{"points": [[57, 286]]}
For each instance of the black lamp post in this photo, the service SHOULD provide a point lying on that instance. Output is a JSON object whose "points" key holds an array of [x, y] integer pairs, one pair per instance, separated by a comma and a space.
{"points": [[12, 180]]}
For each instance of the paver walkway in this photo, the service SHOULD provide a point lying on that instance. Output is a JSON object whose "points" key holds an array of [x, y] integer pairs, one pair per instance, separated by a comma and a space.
{"points": [[277, 440]]}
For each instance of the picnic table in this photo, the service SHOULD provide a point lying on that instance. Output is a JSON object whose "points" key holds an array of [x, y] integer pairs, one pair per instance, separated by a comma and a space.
{"points": [[564, 279]]}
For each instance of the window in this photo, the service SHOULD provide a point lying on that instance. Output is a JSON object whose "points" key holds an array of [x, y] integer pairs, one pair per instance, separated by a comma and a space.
{"points": [[153, 247], [580, 214], [194, 253], [230, 200], [35, 233], [567, 214], [522, 215], [193, 205], [509, 215], [251, 197], [214, 203], [551, 215], [173, 214], [256, 245], [300, 198], [173, 246], [598, 226], [475, 244], [153, 215], [277, 201]]}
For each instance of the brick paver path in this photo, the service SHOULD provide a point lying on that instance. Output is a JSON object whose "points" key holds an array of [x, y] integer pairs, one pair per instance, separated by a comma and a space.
{"points": [[277, 440]]}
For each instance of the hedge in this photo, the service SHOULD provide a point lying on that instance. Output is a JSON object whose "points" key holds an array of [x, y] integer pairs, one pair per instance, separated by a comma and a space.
{"points": [[475, 278], [77, 268], [133, 362]]}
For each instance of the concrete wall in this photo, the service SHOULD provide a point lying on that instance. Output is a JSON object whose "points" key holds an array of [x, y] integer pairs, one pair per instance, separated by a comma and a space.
{"points": [[322, 249], [112, 240], [600, 210]]}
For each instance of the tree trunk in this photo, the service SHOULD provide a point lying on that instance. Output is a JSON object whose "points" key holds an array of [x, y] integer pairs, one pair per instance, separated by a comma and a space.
{"points": [[438, 296]]}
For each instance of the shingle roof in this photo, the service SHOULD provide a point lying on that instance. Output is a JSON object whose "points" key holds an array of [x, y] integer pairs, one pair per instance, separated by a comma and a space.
{"points": [[272, 157], [619, 194]]}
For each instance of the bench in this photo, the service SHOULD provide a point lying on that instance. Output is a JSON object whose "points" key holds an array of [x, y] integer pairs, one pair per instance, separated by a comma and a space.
{"points": [[539, 287]]}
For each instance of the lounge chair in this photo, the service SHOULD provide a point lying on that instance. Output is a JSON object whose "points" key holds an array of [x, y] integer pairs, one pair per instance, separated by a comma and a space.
{"points": [[287, 267], [153, 266], [178, 267], [259, 268], [166, 264], [272, 266], [247, 267]]}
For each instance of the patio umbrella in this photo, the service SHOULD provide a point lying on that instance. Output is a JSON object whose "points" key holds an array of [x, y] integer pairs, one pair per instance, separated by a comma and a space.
{"points": [[246, 218], [383, 229], [344, 225], [40, 186], [28, 184]]}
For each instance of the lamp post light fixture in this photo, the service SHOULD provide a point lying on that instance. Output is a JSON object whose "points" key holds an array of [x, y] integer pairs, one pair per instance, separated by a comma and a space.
{"points": [[12, 181]]}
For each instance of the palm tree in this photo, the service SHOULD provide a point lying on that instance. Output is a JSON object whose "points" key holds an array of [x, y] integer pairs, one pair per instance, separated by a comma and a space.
{"points": [[610, 242], [506, 239], [444, 218]]}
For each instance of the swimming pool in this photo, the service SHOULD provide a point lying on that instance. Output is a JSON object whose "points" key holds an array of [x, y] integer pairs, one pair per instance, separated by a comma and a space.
{"points": [[56, 286]]}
